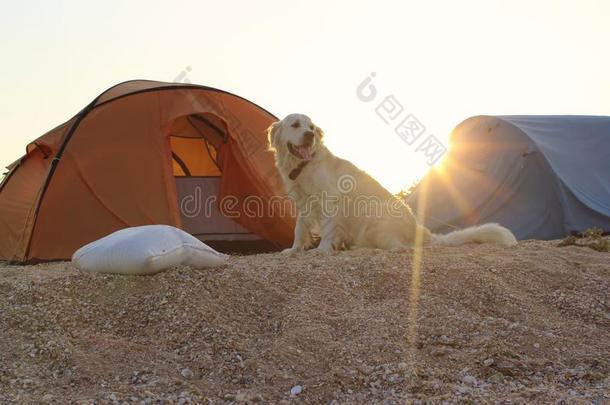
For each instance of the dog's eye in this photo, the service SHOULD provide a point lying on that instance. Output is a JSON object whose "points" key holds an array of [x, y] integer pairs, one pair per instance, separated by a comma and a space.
{"points": [[296, 124], [311, 127]]}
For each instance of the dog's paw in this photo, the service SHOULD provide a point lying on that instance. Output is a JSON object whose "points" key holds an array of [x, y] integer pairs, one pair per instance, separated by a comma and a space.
{"points": [[291, 251], [324, 249]]}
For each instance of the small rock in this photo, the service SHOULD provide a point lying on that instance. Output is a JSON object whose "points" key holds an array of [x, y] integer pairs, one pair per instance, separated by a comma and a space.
{"points": [[241, 396], [296, 390], [112, 397], [488, 362], [468, 379], [375, 385], [496, 378], [402, 365], [439, 351], [506, 367], [47, 398], [366, 370], [394, 378], [187, 373], [537, 345], [571, 372]]}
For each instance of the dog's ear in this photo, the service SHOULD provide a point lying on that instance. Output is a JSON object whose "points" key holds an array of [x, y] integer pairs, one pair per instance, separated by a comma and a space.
{"points": [[272, 134], [318, 131]]}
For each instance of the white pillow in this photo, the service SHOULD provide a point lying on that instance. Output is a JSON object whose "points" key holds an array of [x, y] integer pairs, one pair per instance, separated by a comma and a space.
{"points": [[145, 250]]}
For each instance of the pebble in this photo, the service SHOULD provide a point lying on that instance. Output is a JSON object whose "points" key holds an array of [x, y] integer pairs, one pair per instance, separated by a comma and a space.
{"points": [[393, 379], [187, 373], [241, 396], [468, 379], [496, 378], [366, 370], [488, 362], [439, 351], [296, 390]]}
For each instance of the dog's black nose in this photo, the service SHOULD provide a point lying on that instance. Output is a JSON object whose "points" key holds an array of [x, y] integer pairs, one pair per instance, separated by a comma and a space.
{"points": [[308, 137]]}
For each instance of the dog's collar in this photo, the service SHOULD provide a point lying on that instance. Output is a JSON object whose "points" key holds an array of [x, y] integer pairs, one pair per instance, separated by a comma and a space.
{"points": [[294, 173]]}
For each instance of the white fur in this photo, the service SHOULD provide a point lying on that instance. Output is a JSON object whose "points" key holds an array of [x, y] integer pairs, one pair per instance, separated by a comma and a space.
{"points": [[486, 233], [318, 190]]}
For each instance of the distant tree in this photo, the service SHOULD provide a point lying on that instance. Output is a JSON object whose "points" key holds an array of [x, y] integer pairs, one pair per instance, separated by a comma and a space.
{"points": [[406, 192]]}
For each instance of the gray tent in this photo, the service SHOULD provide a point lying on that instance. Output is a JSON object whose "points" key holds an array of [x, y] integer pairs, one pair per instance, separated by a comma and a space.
{"points": [[543, 177]]}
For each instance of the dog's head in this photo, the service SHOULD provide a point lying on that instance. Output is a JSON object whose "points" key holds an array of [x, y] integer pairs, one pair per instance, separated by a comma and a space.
{"points": [[297, 135]]}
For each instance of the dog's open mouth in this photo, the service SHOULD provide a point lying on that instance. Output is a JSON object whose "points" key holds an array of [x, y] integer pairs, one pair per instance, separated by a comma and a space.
{"points": [[302, 152]]}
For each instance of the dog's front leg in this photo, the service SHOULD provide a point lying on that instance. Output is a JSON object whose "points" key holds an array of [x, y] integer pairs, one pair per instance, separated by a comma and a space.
{"points": [[302, 236], [331, 235]]}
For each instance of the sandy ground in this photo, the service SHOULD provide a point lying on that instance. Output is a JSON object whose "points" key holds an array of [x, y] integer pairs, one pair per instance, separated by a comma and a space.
{"points": [[529, 324]]}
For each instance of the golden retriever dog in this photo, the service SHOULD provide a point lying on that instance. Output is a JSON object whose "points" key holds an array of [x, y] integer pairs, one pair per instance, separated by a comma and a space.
{"points": [[342, 206]]}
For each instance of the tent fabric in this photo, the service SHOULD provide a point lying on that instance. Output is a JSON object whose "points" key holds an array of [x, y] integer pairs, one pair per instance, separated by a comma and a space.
{"points": [[113, 166], [543, 177], [205, 220]]}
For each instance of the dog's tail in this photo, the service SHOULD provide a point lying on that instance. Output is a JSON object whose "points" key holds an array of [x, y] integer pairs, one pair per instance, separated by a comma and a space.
{"points": [[486, 233]]}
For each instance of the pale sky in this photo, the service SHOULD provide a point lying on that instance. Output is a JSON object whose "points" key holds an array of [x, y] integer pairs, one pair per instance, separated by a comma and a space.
{"points": [[443, 61]]}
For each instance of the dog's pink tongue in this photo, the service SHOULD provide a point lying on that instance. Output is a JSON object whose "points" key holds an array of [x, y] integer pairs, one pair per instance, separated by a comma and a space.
{"points": [[305, 152]]}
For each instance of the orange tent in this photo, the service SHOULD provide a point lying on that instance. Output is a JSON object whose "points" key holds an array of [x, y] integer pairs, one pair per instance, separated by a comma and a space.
{"points": [[146, 152]]}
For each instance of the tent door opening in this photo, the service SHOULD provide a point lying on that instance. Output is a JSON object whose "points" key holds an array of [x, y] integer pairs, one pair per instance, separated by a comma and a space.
{"points": [[195, 140]]}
